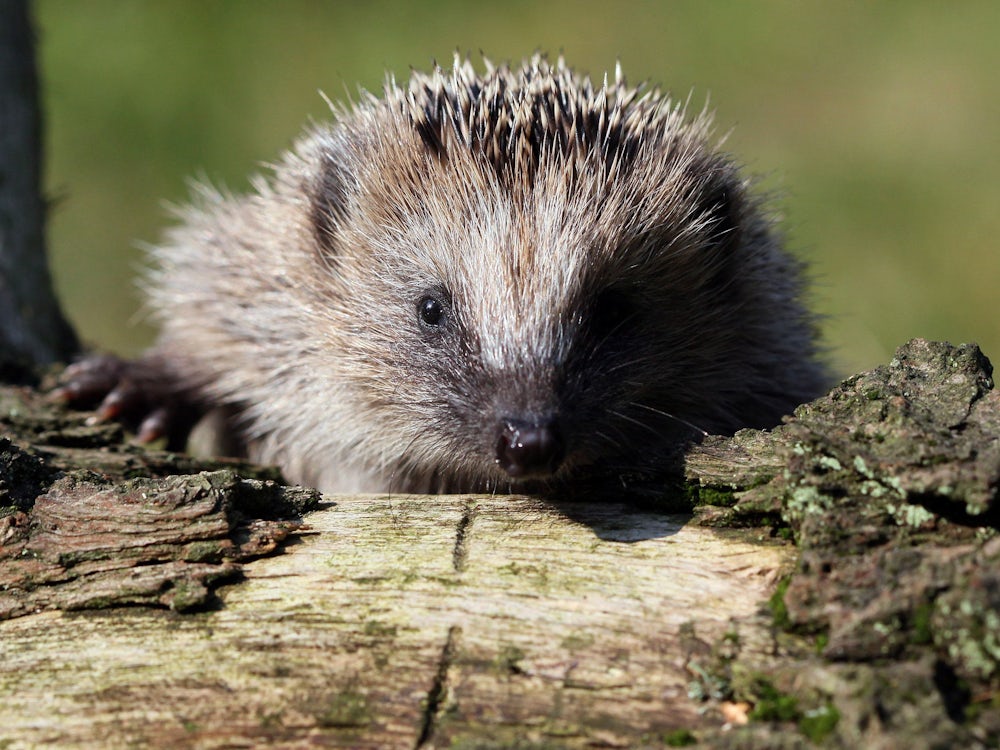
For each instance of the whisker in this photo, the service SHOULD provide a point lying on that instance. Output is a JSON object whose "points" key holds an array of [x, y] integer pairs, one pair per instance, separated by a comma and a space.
{"points": [[607, 438], [693, 426], [634, 421], [630, 363]]}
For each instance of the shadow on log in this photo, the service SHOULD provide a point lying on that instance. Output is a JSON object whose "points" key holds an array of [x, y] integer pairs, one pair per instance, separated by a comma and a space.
{"points": [[835, 581]]}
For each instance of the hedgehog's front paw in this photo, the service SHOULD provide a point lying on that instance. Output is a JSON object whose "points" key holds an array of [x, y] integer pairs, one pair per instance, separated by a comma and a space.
{"points": [[130, 391]]}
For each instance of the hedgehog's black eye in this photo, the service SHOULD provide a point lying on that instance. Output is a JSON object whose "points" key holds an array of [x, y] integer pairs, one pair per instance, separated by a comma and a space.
{"points": [[430, 310], [611, 310]]}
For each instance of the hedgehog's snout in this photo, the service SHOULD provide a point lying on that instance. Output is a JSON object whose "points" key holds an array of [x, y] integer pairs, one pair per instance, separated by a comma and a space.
{"points": [[529, 449]]}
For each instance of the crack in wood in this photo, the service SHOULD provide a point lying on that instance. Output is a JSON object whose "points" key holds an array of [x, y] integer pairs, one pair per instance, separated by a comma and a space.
{"points": [[461, 550], [437, 696]]}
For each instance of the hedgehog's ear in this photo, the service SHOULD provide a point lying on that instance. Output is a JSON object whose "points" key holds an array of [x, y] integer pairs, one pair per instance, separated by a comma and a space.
{"points": [[328, 208]]}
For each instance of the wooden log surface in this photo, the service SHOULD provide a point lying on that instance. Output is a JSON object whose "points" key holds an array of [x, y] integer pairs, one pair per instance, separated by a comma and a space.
{"points": [[405, 622], [834, 581]]}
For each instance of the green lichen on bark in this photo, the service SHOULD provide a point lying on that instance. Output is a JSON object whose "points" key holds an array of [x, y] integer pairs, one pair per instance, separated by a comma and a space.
{"points": [[888, 485]]}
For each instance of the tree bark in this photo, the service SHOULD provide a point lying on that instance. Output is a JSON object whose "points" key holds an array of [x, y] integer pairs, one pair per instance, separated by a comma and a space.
{"points": [[33, 329], [835, 581]]}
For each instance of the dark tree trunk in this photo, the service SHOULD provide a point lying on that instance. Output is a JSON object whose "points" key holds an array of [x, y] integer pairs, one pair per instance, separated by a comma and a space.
{"points": [[33, 329]]}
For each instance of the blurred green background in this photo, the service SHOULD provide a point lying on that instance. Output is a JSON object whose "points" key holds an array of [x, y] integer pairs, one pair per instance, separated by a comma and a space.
{"points": [[875, 124]]}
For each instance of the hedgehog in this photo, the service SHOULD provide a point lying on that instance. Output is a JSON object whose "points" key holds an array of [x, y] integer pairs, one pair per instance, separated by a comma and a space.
{"points": [[478, 282]]}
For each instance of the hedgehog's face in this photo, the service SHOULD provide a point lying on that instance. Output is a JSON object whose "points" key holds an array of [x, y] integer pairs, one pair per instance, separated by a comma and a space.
{"points": [[509, 335], [526, 384]]}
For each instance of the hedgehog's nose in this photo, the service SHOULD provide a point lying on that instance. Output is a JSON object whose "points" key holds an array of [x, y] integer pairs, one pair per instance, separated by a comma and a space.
{"points": [[529, 449]]}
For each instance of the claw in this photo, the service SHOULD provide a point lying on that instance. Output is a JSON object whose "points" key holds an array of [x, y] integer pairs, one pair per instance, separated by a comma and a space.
{"points": [[154, 426], [89, 379], [121, 398], [131, 392]]}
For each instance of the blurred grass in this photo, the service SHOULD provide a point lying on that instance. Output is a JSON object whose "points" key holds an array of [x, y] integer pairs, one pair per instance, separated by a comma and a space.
{"points": [[876, 124]]}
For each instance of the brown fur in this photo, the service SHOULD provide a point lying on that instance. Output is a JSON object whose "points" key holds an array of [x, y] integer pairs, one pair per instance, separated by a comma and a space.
{"points": [[595, 261]]}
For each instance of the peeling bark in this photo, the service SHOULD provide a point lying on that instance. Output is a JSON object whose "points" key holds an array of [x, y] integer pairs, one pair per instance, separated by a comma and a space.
{"points": [[87, 521]]}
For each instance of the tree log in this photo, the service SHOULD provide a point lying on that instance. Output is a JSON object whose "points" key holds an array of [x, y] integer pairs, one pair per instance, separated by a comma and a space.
{"points": [[405, 622], [834, 581]]}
